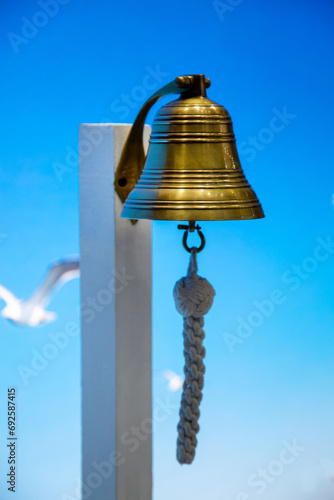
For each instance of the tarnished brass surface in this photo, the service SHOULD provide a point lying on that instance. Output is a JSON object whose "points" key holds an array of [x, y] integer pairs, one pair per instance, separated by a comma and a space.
{"points": [[192, 171]]}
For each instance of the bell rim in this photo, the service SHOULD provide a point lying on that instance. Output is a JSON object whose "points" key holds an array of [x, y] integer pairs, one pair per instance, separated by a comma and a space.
{"points": [[199, 214]]}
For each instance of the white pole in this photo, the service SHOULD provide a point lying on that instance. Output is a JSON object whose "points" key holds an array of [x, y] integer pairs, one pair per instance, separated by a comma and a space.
{"points": [[116, 327]]}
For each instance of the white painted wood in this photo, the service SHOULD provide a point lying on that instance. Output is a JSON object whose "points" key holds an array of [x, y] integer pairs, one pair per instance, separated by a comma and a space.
{"points": [[115, 326]]}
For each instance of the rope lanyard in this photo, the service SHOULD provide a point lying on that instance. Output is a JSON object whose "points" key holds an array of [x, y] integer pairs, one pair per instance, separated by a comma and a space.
{"points": [[193, 297]]}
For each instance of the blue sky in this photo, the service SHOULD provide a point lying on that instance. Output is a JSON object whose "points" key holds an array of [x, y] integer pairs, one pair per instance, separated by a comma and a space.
{"points": [[270, 64]]}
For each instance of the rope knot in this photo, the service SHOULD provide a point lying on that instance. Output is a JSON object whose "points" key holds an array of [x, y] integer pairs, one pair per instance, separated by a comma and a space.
{"points": [[193, 294]]}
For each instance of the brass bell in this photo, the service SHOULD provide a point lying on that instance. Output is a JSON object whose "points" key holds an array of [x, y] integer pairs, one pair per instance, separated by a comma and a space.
{"points": [[192, 170]]}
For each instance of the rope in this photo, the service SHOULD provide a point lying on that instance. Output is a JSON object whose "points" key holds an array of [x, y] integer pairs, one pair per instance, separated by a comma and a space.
{"points": [[193, 297]]}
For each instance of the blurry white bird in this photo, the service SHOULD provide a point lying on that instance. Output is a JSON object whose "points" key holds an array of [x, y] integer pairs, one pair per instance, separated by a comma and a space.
{"points": [[175, 382], [32, 312]]}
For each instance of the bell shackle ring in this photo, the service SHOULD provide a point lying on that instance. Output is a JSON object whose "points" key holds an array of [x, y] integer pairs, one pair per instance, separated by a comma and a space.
{"points": [[191, 228]]}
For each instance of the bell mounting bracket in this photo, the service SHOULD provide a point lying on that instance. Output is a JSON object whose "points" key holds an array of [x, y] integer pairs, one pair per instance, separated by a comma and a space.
{"points": [[133, 155]]}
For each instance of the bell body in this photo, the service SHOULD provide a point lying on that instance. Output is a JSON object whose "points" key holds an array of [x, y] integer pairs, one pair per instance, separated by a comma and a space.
{"points": [[192, 171]]}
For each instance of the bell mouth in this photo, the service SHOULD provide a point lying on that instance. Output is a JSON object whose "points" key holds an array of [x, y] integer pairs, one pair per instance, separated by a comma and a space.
{"points": [[139, 206]]}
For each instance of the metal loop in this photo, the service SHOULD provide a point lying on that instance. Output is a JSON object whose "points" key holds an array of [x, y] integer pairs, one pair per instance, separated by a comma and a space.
{"points": [[200, 234]]}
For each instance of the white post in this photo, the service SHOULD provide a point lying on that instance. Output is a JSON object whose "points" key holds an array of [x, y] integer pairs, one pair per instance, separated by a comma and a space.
{"points": [[116, 327]]}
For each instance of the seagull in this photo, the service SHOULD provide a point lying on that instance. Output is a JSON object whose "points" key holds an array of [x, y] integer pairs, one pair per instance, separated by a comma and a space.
{"points": [[31, 312], [175, 382]]}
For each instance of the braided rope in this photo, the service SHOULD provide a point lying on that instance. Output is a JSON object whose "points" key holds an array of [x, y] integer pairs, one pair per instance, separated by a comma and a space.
{"points": [[193, 297]]}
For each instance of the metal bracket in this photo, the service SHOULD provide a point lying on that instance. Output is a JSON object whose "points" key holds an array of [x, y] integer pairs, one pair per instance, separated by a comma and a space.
{"points": [[133, 156]]}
